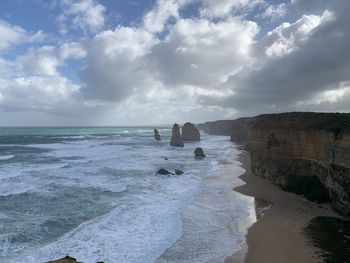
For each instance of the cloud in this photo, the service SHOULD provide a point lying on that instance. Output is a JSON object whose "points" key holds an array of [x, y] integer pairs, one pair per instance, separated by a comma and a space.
{"points": [[217, 63], [309, 6], [85, 15], [317, 65], [40, 61], [115, 71], [11, 35], [203, 53], [46, 59], [274, 11], [287, 37], [155, 20], [196, 53], [36, 93], [221, 8]]}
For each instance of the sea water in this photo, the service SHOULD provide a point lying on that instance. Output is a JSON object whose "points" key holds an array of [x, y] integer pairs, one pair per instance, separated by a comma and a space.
{"points": [[93, 193]]}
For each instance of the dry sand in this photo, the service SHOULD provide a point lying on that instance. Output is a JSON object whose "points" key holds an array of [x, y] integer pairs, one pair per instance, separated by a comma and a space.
{"points": [[278, 237]]}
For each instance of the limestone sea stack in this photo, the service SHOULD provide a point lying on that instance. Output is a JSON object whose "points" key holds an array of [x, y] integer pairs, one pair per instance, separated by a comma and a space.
{"points": [[190, 132], [156, 135], [176, 138]]}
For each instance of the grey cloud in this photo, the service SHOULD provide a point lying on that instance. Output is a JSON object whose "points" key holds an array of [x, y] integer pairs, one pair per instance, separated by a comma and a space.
{"points": [[202, 53], [309, 6], [321, 63]]}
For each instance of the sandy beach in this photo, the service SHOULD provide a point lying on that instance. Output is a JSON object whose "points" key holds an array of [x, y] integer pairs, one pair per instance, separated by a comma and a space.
{"points": [[278, 236]]}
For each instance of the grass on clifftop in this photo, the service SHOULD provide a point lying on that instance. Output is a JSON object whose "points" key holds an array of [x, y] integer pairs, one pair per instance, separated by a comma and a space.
{"points": [[308, 186], [332, 237]]}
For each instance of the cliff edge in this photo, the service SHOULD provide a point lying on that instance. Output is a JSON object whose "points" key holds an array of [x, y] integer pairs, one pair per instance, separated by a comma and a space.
{"points": [[307, 153]]}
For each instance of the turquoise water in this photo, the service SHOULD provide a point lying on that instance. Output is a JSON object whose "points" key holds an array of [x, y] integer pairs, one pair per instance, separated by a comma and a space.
{"points": [[92, 192]]}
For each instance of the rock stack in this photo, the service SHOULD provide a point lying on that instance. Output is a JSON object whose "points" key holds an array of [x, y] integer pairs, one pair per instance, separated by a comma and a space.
{"points": [[176, 138], [190, 132], [156, 135]]}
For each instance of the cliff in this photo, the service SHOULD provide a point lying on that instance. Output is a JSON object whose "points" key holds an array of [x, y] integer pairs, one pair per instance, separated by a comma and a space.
{"points": [[236, 129], [308, 153]]}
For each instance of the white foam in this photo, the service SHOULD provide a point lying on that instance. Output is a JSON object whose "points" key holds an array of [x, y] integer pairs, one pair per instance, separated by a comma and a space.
{"points": [[148, 221], [6, 157], [139, 230]]}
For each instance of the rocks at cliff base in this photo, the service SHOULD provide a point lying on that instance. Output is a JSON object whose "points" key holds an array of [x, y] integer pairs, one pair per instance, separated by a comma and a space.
{"points": [[66, 259], [176, 138], [178, 172], [190, 132], [163, 171], [199, 153], [157, 135]]}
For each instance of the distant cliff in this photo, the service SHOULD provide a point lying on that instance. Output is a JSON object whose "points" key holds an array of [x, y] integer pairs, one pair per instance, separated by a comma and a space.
{"points": [[236, 129], [308, 153]]}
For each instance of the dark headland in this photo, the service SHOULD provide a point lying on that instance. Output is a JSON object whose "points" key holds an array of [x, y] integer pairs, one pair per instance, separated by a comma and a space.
{"points": [[308, 156]]}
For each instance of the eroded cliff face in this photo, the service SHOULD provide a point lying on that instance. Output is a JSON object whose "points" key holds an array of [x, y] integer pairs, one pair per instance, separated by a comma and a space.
{"points": [[286, 146], [236, 129]]}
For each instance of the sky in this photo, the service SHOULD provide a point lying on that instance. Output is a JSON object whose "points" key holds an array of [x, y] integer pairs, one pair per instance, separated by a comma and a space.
{"points": [[143, 62]]}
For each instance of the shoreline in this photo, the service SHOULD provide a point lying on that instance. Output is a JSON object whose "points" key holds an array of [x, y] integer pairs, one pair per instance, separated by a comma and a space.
{"points": [[277, 237]]}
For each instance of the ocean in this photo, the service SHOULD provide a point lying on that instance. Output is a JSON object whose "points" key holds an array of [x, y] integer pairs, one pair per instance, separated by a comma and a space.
{"points": [[93, 193]]}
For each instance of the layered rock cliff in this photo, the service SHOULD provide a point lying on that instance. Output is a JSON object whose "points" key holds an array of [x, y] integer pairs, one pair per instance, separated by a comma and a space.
{"points": [[236, 129], [304, 152]]}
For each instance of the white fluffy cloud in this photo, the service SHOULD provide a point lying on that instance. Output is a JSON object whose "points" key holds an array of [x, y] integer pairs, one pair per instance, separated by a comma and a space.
{"points": [[216, 65], [204, 53], [85, 15], [220, 8], [115, 65], [32, 82], [36, 93], [287, 37], [46, 59], [155, 20], [197, 55], [274, 11], [11, 35]]}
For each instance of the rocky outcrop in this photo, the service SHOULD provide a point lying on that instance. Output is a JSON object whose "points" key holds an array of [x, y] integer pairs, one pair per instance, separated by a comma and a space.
{"points": [[156, 135], [304, 151], [163, 171], [66, 259], [190, 132], [199, 153], [178, 172], [236, 129], [176, 138]]}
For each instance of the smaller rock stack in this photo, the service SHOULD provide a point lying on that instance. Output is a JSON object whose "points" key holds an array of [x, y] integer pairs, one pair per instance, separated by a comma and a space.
{"points": [[156, 135], [190, 132], [176, 138]]}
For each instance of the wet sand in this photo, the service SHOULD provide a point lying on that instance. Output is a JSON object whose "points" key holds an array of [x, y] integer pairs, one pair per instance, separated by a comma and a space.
{"points": [[277, 237]]}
